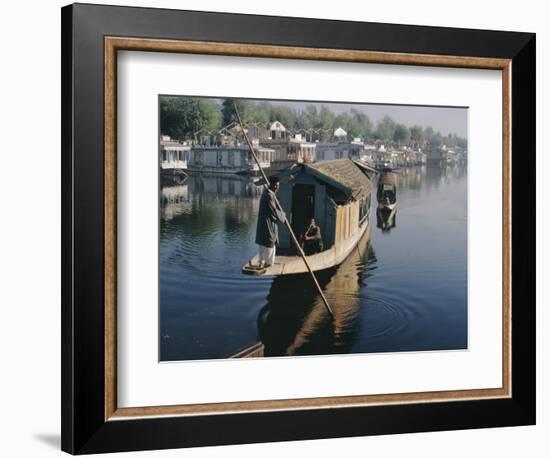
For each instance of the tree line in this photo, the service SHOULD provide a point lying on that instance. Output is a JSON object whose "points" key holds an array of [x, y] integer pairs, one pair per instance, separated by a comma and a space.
{"points": [[181, 117]]}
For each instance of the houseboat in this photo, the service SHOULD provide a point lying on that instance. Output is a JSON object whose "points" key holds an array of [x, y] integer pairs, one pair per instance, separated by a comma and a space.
{"points": [[340, 150], [174, 159], [437, 155], [301, 151], [383, 158], [228, 159], [338, 195]]}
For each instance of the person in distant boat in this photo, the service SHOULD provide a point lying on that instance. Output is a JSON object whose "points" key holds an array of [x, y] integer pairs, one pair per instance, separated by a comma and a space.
{"points": [[313, 241], [267, 234]]}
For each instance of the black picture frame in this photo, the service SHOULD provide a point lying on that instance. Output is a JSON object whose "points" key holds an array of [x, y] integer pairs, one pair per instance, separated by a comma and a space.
{"points": [[84, 428]]}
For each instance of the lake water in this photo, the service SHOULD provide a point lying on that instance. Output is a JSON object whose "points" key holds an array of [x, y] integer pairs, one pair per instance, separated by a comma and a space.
{"points": [[404, 290]]}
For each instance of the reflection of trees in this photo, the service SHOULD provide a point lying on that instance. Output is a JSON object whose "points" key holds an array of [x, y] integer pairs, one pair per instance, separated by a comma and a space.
{"points": [[295, 321]]}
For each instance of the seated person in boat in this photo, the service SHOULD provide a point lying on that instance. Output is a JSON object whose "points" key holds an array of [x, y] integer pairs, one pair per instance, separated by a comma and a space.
{"points": [[313, 242], [269, 214]]}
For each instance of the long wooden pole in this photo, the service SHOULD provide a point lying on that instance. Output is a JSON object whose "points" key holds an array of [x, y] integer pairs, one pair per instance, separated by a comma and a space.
{"points": [[287, 224]]}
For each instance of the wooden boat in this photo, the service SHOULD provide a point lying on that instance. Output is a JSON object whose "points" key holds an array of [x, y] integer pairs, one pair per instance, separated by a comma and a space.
{"points": [[386, 193], [337, 194], [286, 265]]}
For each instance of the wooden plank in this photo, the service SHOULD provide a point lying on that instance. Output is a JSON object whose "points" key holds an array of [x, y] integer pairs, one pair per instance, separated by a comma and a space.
{"points": [[254, 351]]}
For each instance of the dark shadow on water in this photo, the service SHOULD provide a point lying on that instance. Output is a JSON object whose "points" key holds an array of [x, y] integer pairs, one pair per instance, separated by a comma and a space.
{"points": [[51, 439], [295, 321]]}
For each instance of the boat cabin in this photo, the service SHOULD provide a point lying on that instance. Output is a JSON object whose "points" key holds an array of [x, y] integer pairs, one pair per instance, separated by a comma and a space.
{"points": [[340, 150], [336, 193], [386, 192], [228, 159], [173, 155], [301, 151]]}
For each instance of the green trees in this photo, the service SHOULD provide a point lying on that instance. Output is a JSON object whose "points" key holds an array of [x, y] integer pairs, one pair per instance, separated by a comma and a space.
{"points": [[401, 135], [360, 125], [181, 117], [310, 117], [385, 129], [417, 135], [228, 110], [284, 114]]}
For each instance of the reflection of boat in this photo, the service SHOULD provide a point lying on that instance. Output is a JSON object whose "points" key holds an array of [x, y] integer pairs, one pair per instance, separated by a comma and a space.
{"points": [[174, 201], [222, 185], [295, 320], [386, 218], [337, 194], [172, 176]]}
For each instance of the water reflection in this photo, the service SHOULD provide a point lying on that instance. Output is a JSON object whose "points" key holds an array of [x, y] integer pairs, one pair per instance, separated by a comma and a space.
{"points": [[295, 320]]}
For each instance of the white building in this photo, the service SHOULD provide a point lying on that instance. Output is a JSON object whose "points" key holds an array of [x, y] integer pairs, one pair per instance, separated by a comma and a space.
{"points": [[277, 130], [340, 134]]}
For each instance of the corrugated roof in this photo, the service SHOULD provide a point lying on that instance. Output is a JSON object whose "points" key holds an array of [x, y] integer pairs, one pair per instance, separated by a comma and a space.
{"points": [[345, 173]]}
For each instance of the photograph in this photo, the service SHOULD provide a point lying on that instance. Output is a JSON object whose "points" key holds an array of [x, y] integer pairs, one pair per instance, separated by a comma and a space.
{"points": [[294, 228]]}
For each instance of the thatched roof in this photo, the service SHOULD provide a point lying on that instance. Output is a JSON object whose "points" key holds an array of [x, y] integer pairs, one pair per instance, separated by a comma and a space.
{"points": [[343, 174], [388, 178]]}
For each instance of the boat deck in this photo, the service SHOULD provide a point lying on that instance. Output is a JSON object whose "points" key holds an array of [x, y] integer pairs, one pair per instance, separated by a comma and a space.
{"points": [[288, 265]]}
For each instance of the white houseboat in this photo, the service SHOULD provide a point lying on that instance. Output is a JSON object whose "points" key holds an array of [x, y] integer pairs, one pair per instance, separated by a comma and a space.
{"points": [[174, 155], [228, 159], [301, 151], [174, 159], [341, 150]]}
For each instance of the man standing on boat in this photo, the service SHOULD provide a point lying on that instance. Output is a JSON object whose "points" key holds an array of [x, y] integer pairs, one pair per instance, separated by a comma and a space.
{"points": [[267, 234]]}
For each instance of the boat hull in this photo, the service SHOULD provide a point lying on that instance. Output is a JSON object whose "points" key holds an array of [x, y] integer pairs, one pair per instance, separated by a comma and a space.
{"points": [[334, 256]]}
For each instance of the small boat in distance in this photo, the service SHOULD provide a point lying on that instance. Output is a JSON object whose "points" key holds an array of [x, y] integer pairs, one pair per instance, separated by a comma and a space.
{"points": [[337, 194], [386, 195]]}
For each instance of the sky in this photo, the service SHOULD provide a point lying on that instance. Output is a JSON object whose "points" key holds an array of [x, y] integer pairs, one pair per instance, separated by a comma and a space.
{"points": [[446, 120]]}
